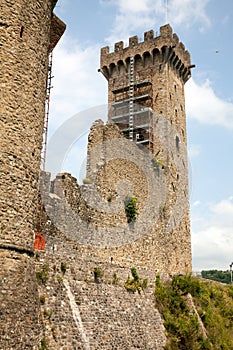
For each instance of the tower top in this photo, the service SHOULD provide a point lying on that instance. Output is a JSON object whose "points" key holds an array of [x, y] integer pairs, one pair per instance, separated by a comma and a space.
{"points": [[166, 43]]}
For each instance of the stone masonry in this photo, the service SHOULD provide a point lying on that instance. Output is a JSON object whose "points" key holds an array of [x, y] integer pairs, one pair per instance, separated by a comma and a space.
{"points": [[73, 294], [26, 38], [161, 61], [93, 216]]}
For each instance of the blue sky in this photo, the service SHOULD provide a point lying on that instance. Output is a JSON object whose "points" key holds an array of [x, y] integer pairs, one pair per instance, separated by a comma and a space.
{"points": [[206, 29]]}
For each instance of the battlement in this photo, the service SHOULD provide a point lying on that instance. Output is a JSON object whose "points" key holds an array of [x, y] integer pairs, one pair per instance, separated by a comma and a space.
{"points": [[163, 48], [57, 30], [53, 2]]}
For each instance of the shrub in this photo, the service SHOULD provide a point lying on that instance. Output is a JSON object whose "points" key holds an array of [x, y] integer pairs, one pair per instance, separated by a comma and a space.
{"points": [[115, 278], [156, 162], [217, 275], [48, 313], [135, 284], [214, 306], [63, 267], [43, 344], [98, 273], [43, 275], [131, 209]]}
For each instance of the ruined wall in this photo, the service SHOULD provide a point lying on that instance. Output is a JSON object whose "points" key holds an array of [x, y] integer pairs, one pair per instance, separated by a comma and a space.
{"points": [[24, 47], [93, 218]]}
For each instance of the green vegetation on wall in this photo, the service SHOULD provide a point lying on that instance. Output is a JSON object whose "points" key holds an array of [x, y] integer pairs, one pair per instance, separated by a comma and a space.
{"points": [[135, 284], [131, 209], [63, 267], [43, 344], [43, 275], [98, 274], [214, 304]]}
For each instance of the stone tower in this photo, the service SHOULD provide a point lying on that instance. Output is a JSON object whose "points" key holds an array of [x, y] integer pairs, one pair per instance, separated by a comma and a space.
{"points": [[146, 100], [28, 32]]}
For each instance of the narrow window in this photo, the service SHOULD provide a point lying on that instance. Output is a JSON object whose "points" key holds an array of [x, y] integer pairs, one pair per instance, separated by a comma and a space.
{"points": [[21, 31], [177, 142]]}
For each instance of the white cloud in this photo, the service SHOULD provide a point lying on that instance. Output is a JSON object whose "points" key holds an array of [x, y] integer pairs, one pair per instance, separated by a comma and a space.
{"points": [[224, 210], [196, 203], [212, 248], [139, 15], [194, 150], [203, 105], [188, 12], [78, 84], [134, 6], [212, 241], [224, 207]]}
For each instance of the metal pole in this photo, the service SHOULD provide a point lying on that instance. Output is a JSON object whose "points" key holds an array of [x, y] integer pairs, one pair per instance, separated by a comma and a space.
{"points": [[231, 271], [166, 11]]}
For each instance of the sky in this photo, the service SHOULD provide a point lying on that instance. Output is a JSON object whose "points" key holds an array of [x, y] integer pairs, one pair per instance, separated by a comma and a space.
{"points": [[206, 29]]}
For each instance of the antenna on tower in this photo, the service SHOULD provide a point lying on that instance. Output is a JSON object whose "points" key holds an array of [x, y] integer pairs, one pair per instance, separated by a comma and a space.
{"points": [[166, 11]]}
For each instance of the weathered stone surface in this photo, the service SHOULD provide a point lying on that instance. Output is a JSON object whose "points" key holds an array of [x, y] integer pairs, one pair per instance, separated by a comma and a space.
{"points": [[21, 326], [86, 226], [158, 241], [24, 47], [109, 317]]}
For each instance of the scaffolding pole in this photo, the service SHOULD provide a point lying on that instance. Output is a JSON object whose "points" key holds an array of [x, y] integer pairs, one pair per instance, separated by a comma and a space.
{"points": [[45, 137], [47, 107], [131, 96]]}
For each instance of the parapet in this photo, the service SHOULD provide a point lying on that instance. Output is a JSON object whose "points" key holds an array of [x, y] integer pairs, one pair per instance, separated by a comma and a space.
{"points": [[166, 46], [53, 2], [57, 30]]}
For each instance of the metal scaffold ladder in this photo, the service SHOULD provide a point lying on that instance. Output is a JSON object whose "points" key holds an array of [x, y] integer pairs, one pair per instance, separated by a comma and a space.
{"points": [[39, 242], [131, 96], [47, 105]]}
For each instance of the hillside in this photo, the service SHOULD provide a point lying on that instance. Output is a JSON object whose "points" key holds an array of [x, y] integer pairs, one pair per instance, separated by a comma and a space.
{"points": [[197, 314], [88, 304]]}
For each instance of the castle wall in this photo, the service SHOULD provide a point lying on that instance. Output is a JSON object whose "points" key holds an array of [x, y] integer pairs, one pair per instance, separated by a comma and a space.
{"points": [[93, 218], [24, 48], [86, 229], [25, 39], [83, 312]]}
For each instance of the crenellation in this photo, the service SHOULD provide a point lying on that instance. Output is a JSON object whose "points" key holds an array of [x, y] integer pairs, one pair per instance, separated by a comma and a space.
{"points": [[165, 44], [175, 39], [149, 35], [166, 31], [133, 41], [181, 46], [105, 51], [119, 46]]}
